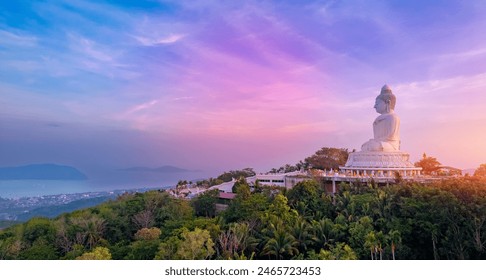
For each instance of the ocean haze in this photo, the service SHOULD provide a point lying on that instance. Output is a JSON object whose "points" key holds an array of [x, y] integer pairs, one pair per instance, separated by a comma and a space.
{"points": [[102, 179], [162, 169]]}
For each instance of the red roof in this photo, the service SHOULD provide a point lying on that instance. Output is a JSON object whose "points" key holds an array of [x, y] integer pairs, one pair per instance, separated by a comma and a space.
{"points": [[225, 195]]}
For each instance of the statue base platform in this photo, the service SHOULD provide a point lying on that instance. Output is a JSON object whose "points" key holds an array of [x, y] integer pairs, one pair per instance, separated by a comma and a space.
{"points": [[380, 164]]}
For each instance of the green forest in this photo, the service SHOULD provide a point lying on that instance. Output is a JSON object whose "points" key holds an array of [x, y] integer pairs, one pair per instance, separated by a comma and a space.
{"points": [[406, 220]]}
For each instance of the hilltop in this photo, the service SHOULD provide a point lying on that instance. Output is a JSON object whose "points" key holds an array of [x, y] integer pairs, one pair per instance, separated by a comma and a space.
{"points": [[443, 220]]}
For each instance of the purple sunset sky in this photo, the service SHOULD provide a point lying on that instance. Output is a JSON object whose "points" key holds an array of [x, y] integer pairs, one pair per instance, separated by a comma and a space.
{"points": [[220, 85]]}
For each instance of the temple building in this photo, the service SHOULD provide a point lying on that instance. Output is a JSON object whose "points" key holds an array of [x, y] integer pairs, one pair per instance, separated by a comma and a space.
{"points": [[287, 180]]}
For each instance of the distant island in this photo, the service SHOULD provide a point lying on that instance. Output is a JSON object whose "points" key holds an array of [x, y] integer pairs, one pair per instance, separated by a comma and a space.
{"points": [[41, 172], [162, 169]]}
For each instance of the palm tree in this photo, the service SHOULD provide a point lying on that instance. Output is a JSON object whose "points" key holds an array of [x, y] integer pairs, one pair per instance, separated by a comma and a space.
{"points": [[280, 245], [380, 238], [323, 232], [395, 238], [371, 243], [301, 232], [90, 230]]}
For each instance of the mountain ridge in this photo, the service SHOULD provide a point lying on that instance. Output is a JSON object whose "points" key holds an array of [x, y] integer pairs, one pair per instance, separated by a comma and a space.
{"points": [[43, 171]]}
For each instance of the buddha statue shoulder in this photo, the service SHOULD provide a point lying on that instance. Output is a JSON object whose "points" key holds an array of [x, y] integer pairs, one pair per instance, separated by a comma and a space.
{"points": [[386, 127]]}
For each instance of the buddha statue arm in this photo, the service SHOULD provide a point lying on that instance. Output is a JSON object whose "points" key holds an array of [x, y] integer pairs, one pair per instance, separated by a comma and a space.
{"points": [[386, 134], [386, 128]]}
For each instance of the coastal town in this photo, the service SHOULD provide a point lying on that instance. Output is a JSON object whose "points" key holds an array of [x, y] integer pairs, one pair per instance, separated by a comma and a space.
{"points": [[23, 208]]}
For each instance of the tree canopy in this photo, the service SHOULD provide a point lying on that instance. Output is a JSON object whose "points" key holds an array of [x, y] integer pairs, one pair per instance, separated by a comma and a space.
{"points": [[481, 171], [441, 220], [328, 158], [324, 158], [428, 164], [236, 174]]}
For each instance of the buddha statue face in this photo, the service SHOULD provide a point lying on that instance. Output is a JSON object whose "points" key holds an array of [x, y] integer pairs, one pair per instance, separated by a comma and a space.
{"points": [[385, 101], [381, 106]]}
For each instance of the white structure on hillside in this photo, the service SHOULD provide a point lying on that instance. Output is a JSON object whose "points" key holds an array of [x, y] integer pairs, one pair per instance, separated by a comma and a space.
{"points": [[224, 187], [287, 180], [381, 156]]}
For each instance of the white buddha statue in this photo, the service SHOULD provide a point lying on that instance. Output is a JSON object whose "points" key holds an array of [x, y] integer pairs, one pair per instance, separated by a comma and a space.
{"points": [[386, 127]]}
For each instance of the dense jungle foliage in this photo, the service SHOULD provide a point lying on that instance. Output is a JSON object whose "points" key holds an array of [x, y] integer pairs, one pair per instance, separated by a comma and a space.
{"points": [[442, 220]]}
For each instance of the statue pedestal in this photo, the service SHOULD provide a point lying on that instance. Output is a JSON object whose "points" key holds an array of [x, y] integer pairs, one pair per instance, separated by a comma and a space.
{"points": [[380, 164]]}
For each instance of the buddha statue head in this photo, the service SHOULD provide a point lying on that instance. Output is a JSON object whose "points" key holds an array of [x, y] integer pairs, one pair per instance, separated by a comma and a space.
{"points": [[385, 102]]}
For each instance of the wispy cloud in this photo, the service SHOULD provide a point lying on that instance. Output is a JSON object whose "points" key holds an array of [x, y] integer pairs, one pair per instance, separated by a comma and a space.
{"points": [[24, 65], [91, 49], [141, 107], [464, 54], [16, 38], [154, 41], [181, 98]]}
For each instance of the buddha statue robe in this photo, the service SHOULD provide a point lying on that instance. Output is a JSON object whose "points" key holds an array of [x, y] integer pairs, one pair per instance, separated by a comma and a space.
{"points": [[386, 134]]}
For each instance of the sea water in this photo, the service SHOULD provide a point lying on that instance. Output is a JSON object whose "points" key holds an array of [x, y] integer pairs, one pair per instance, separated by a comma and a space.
{"points": [[28, 188], [123, 181]]}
